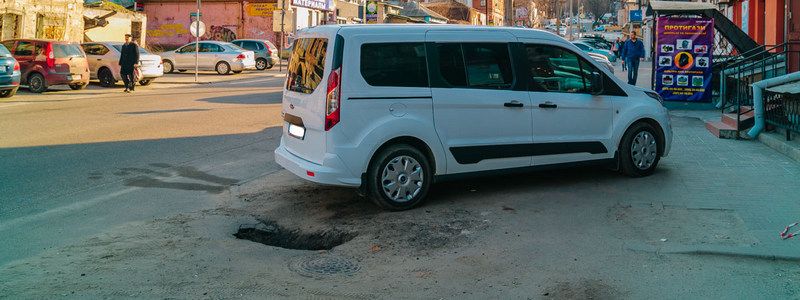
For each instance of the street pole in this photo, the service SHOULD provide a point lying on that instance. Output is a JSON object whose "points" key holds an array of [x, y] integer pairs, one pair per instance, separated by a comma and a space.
{"points": [[283, 34], [197, 43]]}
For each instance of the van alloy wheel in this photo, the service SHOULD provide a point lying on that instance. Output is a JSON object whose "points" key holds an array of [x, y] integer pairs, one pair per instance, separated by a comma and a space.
{"points": [[402, 178]]}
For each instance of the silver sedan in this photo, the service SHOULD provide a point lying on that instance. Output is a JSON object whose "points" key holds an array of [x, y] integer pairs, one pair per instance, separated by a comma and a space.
{"points": [[222, 57]]}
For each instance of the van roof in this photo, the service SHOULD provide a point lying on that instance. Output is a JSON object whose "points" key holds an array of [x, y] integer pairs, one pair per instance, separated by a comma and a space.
{"points": [[410, 28]]}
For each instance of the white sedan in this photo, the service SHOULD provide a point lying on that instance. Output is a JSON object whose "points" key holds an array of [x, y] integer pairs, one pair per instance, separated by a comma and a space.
{"points": [[222, 57], [103, 60]]}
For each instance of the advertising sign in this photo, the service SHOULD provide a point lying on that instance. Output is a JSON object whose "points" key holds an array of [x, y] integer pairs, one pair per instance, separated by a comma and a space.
{"points": [[313, 4], [635, 16], [260, 9], [372, 12], [683, 58]]}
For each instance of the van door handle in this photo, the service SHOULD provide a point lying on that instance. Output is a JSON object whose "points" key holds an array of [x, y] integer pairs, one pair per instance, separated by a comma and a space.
{"points": [[548, 104], [514, 103]]}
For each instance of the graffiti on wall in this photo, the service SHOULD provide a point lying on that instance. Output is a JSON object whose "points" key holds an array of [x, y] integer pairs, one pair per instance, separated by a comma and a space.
{"points": [[220, 33], [168, 30]]}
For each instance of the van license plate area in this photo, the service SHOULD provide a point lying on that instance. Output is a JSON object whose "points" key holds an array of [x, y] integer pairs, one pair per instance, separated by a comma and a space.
{"points": [[297, 131]]}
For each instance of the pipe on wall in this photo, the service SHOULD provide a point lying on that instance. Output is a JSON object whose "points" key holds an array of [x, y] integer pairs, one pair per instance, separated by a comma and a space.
{"points": [[758, 101]]}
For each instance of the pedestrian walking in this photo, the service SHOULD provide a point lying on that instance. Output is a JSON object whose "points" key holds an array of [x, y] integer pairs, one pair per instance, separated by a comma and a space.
{"points": [[620, 45], [632, 53], [128, 62]]}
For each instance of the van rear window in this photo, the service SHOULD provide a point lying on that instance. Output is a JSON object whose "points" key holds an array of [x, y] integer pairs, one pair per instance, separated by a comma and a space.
{"points": [[67, 50], [307, 65], [394, 64]]}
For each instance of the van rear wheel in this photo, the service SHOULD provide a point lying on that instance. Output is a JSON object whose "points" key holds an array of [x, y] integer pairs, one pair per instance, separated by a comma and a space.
{"points": [[399, 177]]}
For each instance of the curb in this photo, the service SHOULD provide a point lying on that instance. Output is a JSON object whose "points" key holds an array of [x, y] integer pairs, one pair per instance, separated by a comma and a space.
{"points": [[778, 142]]}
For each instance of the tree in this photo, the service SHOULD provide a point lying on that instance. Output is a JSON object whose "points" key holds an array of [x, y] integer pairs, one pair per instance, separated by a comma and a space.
{"points": [[598, 8]]}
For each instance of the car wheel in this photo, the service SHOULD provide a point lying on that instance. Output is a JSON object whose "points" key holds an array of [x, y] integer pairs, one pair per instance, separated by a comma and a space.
{"points": [[168, 66], [639, 150], [36, 83], [261, 64], [399, 177], [145, 82], [8, 93], [106, 78], [223, 68], [78, 86]]}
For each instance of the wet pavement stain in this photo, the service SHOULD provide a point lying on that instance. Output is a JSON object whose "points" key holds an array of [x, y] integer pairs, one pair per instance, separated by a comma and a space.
{"points": [[148, 178]]}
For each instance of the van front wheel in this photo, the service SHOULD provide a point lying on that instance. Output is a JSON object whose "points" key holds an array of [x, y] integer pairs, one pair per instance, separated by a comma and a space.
{"points": [[399, 177]]}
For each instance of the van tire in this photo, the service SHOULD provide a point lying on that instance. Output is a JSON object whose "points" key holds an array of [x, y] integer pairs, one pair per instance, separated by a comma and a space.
{"points": [[36, 83], [398, 155], [627, 162]]}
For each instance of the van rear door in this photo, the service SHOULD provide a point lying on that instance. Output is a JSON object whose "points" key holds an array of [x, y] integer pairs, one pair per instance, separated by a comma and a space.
{"points": [[306, 91]]}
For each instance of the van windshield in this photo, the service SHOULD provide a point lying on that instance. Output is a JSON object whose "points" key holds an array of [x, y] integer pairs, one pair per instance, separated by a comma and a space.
{"points": [[67, 50], [307, 65]]}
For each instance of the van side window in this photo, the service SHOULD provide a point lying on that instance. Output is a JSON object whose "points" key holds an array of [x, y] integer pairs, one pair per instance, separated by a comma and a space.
{"points": [[451, 64], [554, 69], [488, 65], [394, 64]]}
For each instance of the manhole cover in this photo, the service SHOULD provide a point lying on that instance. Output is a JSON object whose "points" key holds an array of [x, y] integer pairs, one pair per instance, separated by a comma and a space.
{"points": [[323, 266]]}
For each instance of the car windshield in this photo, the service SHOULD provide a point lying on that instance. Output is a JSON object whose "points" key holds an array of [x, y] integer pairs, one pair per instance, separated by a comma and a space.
{"points": [[67, 50], [141, 49]]}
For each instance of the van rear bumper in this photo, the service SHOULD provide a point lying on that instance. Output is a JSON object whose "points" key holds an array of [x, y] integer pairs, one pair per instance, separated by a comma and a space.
{"points": [[331, 172]]}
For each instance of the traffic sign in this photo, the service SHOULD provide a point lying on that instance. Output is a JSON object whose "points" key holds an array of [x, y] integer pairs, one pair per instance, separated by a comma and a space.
{"points": [[193, 28]]}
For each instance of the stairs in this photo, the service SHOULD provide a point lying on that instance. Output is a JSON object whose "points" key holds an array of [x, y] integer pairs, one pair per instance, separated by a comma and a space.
{"points": [[727, 127]]}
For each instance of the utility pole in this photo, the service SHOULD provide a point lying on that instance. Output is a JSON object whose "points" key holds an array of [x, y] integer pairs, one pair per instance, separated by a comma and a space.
{"points": [[197, 43]]}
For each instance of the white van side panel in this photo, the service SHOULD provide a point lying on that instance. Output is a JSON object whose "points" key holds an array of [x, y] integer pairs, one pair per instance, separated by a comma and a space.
{"points": [[373, 115]]}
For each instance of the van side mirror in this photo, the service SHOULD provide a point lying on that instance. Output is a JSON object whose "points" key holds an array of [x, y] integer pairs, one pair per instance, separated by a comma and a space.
{"points": [[597, 83]]}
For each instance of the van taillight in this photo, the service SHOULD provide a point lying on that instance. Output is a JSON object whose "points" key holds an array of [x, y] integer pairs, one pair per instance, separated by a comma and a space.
{"points": [[332, 99], [51, 59]]}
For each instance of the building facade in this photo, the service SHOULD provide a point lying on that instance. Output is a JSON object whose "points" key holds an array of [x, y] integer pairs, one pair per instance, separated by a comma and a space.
{"points": [[45, 19]]}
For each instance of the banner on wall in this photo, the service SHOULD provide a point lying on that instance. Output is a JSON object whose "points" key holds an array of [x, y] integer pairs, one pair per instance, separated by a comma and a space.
{"points": [[683, 58]]}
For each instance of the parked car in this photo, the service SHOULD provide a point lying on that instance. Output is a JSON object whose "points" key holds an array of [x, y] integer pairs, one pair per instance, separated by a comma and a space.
{"points": [[602, 60], [588, 48], [266, 52], [382, 115], [9, 73], [222, 57], [596, 41], [104, 66], [44, 63]]}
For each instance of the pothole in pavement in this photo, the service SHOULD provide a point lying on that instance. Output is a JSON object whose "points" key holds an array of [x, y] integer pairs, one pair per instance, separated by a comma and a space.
{"points": [[272, 234]]}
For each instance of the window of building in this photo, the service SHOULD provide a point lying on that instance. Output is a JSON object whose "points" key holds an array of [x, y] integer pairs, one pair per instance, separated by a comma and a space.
{"points": [[394, 64]]}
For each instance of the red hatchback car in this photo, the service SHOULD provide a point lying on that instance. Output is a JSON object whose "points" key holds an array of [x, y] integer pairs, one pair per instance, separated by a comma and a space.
{"points": [[44, 63]]}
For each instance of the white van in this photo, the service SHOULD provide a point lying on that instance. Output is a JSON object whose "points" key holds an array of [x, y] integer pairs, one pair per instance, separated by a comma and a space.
{"points": [[393, 108]]}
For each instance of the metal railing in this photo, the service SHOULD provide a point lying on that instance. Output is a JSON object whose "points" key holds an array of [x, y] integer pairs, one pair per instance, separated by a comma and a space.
{"points": [[737, 73], [782, 111]]}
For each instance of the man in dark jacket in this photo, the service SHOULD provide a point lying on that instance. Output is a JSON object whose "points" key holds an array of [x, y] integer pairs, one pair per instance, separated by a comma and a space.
{"points": [[632, 52], [128, 61]]}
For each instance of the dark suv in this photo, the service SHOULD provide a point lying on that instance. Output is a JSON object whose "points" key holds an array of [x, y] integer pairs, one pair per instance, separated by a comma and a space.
{"points": [[45, 63]]}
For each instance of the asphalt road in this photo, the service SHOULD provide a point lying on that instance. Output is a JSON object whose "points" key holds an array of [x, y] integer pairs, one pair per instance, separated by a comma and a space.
{"points": [[75, 163]]}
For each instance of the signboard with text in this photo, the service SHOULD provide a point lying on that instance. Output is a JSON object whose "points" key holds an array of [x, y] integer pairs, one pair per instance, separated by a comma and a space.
{"points": [[260, 9], [313, 4], [683, 57]]}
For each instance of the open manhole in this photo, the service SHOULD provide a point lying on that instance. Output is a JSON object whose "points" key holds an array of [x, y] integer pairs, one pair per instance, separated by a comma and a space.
{"points": [[272, 234], [320, 266]]}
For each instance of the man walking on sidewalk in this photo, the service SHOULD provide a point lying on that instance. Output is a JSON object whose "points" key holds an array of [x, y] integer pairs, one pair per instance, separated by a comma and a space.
{"points": [[632, 52], [128, 61]]}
